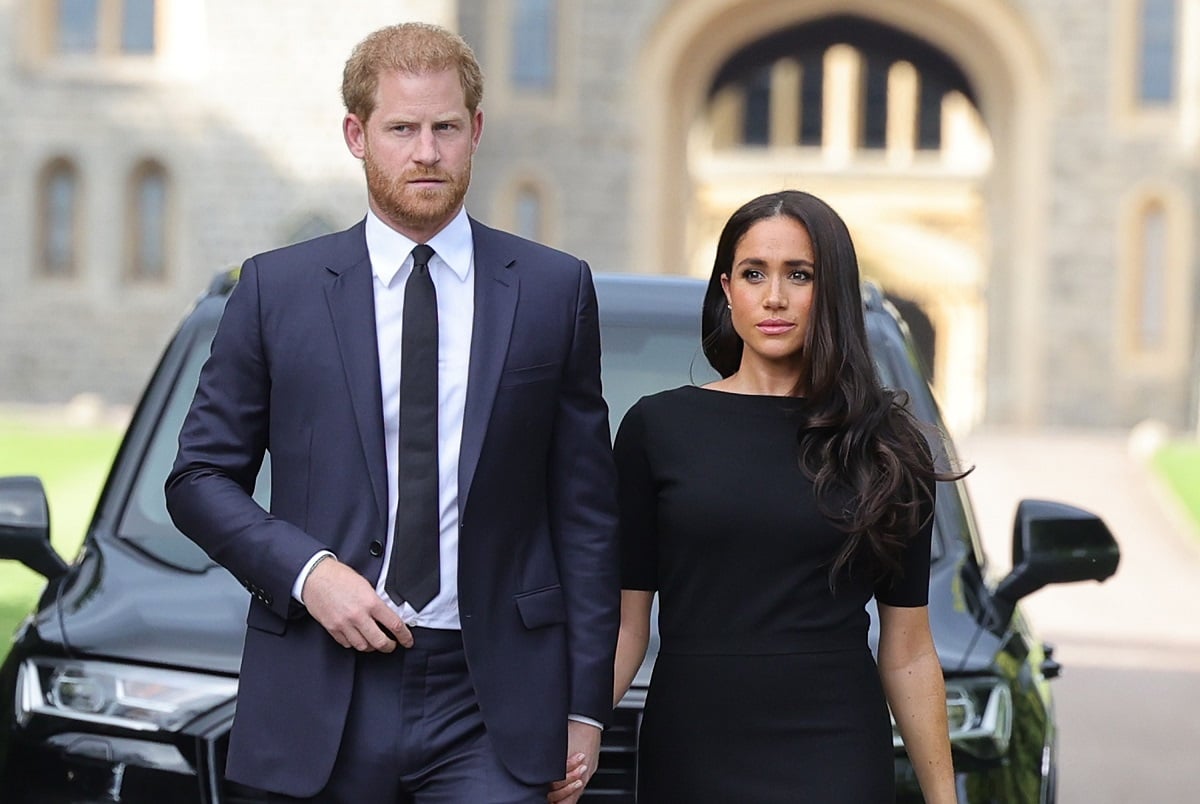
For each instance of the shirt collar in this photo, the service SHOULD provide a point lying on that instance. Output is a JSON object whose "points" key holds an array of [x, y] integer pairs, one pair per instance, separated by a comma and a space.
{"points": [[389, 249]]}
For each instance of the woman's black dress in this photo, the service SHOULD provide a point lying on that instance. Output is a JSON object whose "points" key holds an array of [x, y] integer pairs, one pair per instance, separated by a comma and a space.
{"points": [[764, 689]]}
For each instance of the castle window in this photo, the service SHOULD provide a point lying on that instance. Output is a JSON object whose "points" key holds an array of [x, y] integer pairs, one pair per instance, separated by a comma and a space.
{"points": [[929, 113], [137, 26], [534, 33], [812, 97], [1151, 310], [78, 31], [756, 128], [103, 27], [58, 219], [875, 103], [1155, 284], [1156, 51], [147, 216], [527, 211]]}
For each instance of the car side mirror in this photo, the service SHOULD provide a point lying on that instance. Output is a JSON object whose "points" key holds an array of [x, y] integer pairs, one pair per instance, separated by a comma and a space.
{"points": [[25, 526], [1055, 543]]}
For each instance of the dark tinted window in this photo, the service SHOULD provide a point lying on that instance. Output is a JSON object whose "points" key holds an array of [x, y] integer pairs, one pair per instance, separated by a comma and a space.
{"points": [[899, 366], [145, 521], [641, 360]]}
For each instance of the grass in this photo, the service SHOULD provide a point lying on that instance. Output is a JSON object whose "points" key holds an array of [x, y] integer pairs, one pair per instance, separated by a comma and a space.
{"points": [[1178, 463], [72, 462]]}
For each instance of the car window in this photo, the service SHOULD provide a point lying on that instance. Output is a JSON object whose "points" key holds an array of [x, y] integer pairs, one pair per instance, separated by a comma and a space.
{"points": [[145, 521], [900, 367], [640, 359]]}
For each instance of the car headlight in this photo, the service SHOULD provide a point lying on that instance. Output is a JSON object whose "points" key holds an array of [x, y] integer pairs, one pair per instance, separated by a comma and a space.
{"points": [[979, 713], [132, 697]]}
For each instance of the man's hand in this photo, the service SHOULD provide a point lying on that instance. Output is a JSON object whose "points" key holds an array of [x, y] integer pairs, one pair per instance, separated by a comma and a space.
{"points": [[351, 610], [583, 755]]}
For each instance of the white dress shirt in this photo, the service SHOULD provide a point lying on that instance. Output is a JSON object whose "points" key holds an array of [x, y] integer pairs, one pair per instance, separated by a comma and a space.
{"points": [[452, 269]]}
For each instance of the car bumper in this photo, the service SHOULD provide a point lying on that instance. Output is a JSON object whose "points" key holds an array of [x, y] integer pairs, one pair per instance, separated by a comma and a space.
{"points": [[64, 767]]}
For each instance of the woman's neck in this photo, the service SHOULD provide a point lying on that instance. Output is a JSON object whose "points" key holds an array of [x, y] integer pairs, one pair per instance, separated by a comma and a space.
{"points": [[762, 380]]}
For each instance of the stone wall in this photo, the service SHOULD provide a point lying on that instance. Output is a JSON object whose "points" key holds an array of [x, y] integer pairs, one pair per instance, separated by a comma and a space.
{"points": [[245, 115]]}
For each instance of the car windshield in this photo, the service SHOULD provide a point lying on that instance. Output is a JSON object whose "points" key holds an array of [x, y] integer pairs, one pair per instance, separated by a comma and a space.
{"points": [[641, 355], [640, 359]]}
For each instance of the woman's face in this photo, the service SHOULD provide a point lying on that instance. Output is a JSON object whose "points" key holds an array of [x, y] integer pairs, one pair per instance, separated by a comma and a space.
{"points": [[770, 290]]}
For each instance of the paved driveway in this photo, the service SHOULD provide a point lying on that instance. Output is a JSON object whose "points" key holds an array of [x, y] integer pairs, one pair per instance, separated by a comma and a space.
{"points": [[1129, 696]]}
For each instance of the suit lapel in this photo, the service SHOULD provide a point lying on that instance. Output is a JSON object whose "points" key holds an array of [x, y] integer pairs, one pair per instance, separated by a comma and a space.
{"points": [[496, 291], [351, 298]]}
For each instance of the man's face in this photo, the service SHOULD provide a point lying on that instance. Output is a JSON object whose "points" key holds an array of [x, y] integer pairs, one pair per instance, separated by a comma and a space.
{"points": [[416, 149]]}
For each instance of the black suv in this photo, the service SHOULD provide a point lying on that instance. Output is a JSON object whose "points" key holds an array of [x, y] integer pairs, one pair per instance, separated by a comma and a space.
{"points": [[121, 685]]}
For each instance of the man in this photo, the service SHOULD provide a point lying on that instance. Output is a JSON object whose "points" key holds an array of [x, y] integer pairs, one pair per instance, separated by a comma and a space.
{"points": [[441, 478]]}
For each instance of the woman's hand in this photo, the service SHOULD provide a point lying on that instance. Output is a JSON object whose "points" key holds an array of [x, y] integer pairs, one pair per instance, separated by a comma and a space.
{"points": [[583, 755]]}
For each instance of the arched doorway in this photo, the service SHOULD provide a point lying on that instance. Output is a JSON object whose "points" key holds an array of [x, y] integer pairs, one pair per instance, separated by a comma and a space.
{"points": [[976, 234]]}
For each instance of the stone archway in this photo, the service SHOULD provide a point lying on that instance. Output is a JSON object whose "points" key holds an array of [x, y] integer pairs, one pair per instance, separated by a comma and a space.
{"points": [[998, 53]]}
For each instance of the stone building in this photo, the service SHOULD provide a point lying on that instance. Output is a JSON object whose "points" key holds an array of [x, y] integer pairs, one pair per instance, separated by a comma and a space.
{"points": [[146, 145], [1021, 176]]}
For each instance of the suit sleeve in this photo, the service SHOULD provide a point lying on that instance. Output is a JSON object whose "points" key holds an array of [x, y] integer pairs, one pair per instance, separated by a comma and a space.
{"points": [[583, 510], [221, 447]]}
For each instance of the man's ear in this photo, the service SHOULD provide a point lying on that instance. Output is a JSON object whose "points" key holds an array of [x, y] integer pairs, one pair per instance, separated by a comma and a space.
{"points": [[476, 129], [355, 133]]}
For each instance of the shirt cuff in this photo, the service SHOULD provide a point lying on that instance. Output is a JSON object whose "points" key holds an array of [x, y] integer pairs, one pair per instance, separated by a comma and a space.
{"points": [[298, 586], [587, 720]]}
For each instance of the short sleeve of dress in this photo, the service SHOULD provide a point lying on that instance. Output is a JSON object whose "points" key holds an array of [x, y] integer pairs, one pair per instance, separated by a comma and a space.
{"points": [[912, 588], [637, 502]]}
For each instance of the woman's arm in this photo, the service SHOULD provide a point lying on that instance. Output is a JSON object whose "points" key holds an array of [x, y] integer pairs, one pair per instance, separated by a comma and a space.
{"points": [[916, 693], [632, 639]]}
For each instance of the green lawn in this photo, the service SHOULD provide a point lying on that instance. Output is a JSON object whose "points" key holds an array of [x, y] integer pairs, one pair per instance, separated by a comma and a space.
{"points": [[1178, 463], [72, 463]]}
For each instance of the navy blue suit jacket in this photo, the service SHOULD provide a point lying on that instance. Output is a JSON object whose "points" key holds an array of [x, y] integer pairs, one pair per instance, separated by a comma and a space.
{"points": [[294, 370]]}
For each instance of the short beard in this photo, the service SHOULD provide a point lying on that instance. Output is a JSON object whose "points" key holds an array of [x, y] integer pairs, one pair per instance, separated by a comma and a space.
{"points": [[406, 207]]}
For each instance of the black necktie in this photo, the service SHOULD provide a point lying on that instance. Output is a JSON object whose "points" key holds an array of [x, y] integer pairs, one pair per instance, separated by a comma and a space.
{"points": [[413, 574]]}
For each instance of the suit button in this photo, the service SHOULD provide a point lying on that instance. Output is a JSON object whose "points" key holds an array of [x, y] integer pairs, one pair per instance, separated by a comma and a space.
{"points": [[377, 548]]}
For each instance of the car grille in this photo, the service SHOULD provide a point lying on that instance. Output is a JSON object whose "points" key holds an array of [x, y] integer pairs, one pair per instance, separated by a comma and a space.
{"points": [[615, 781]]}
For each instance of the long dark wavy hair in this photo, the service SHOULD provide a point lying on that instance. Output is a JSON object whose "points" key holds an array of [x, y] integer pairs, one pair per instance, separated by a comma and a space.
{"points": [[867, 456]]}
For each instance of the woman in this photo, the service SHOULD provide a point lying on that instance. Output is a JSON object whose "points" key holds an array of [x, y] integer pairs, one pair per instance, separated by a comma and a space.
{"points": [[765, 510]]}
